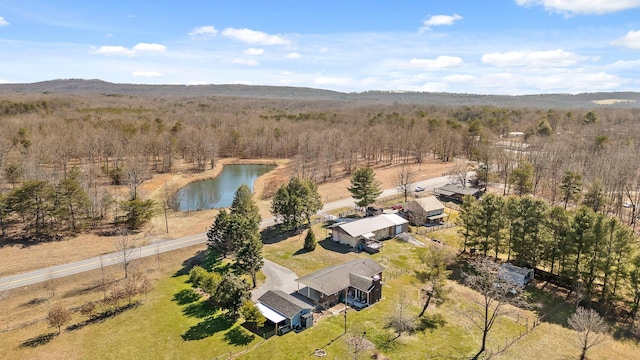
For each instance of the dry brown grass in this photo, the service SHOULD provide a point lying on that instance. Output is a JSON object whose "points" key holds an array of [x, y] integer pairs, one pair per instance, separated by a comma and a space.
{"points": [[555, 342]]}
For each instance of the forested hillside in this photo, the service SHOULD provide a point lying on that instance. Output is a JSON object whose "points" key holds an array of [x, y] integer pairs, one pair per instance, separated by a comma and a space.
{"points": [[71, 150], [539, 101]]}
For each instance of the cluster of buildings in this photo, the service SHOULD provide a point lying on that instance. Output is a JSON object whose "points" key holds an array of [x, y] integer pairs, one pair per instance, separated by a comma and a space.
{"points": [[358, 283]]}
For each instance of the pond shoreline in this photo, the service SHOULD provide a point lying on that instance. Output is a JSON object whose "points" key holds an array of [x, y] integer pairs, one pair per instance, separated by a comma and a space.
{"points": [[217, 189]]}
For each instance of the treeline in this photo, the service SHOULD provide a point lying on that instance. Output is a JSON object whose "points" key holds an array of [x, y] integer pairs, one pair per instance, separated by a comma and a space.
{"points": [[125, 140], [589, 252], [48, 211]]}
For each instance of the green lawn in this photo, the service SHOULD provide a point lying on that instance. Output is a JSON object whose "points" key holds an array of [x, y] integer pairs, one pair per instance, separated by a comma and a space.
{"points": [[447, 333], [169, 326], [289, 252], [175, 324]]}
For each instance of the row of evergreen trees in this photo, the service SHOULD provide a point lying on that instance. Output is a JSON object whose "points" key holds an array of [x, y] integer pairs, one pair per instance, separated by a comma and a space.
{"points": [[583, 248]]}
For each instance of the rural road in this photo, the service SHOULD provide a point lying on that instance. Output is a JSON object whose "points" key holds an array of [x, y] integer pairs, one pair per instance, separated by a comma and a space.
{"points": [[36, 276]]}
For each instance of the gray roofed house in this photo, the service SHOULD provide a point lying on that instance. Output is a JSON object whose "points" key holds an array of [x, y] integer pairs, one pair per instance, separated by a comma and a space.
{"points": [[455, 192], [360, 280], [379, 227], [288, 309]]}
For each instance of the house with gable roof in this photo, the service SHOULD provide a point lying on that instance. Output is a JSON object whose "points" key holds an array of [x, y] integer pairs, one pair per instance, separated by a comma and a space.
{"points": [[357, 282], [426, 210], [366, 231], [285, 311]]}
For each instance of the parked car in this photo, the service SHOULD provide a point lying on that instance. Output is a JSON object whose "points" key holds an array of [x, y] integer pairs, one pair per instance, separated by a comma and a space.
{"points": [[419, 189], [396, 207]]}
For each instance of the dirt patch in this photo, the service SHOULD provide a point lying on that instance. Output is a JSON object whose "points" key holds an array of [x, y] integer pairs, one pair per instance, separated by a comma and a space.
{"points": [[338, 189]]}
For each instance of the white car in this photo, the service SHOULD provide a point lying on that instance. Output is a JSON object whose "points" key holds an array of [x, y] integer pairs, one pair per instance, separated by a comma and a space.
{"points": [[419, 189]]}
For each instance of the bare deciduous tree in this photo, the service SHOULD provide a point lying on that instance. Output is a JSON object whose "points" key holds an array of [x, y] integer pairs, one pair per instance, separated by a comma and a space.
{"points": [[401, 321], [50, 284], [403, 180], [88, 309], [460, 171], [58, 316], [495, 293], [591, 329], [125, 251], [357, 343]]}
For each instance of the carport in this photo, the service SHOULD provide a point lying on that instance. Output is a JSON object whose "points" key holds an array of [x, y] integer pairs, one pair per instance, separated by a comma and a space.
{"points": [[275, 317]]}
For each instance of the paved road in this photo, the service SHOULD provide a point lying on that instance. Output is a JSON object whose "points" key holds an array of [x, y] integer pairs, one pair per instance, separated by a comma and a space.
{"points": [[36, 276], [277, 278]]}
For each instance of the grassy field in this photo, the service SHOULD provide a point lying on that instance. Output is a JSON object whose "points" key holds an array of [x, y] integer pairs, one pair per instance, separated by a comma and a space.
{"points": [[289, 252], [174, 324]]}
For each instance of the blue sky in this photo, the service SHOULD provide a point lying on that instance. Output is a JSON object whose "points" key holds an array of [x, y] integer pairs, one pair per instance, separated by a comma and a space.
{"points": [[462, 46]]}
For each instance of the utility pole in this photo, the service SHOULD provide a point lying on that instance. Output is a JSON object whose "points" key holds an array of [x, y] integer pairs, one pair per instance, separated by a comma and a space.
{"points": [[166, 222], [345, 312]]}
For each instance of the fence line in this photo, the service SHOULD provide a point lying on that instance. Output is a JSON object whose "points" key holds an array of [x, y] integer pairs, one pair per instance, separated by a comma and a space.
{"points": [[231, 355], [21, 325], [428, 229], [350, 212], [514, 339]]}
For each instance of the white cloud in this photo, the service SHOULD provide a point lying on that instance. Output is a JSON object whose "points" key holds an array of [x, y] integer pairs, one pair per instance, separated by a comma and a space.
{"points": [[146, 47], [441, 62], [459, 78], [434, 87], [549, 58], [631, 40], [146, 74], [204, 31], [114, 50], [3, 22], [570, 7], [624, 65], [254, 51], [293, 55], [123, 51], [2, 81], [438, 20], [248, 62], [332, 81], [550, 81], [254, 37]]}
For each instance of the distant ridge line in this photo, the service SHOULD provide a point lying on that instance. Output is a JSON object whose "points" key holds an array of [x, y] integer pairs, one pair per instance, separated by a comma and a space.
{"points": [[543, 101]]}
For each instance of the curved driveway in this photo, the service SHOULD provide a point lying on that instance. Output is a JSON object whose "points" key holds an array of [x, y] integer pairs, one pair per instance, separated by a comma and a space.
{"points": [[278, 278], [36, 276]]}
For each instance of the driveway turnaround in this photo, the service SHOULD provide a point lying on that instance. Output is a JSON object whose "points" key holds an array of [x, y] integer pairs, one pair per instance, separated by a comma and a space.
{"points": [[278, 278]]}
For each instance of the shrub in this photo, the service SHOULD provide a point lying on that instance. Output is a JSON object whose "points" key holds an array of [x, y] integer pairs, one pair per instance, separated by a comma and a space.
{"points": [[310, 240], [196, 275]]}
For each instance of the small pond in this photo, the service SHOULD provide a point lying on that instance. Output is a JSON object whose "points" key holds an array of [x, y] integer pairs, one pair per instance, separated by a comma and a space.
{"points": [[218, 192]]}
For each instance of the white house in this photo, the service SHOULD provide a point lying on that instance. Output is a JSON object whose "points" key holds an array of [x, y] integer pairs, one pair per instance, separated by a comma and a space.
{"points": [[354, 233]]}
